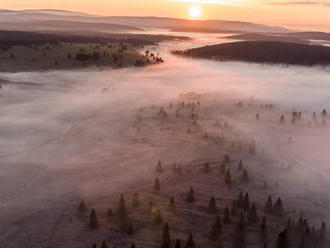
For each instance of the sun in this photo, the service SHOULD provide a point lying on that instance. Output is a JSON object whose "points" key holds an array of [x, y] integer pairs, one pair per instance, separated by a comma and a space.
{"points": [[195, 11]]}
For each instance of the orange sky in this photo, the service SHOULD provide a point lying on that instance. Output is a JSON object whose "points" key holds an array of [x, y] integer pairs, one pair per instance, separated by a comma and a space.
{"points": [[312, 14]]}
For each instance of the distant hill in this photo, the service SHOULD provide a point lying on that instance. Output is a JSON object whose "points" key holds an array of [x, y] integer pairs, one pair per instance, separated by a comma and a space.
{"points": [[297, 37], [12, 38], [36, 16], [67, 25], [264, 52], [267, 37]]}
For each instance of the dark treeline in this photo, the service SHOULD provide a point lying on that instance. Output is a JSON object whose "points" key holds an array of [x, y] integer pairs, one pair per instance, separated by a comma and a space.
{"points": [[12, 38], [265, 52]]}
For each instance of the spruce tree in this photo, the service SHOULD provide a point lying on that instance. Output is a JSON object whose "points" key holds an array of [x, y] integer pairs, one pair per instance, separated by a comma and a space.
{"points": [[245, 177], [241, 223], [226, 218], [206, 168], [129, 227], [233, 211], [158, 218], [216, 229], [212, 209], [246, 202], [177, 244], [240, 165], [282, 240], [263, 228], [136, 201], [269, 205], [166, 240], [239, 237], [94, 245], [226, 158], [191, 195], [82, 207], [228, 177], [133, 245], [157, 184], [93, 224], [171, 205], [159, 167], [122, 211], [240, 200], [223, 169], [278, 208], [253, 216], [190, 241], [104, 244], [323, 230]]}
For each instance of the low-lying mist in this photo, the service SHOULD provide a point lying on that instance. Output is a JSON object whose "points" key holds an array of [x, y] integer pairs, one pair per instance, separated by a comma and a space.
{"points": [[68, 134]]}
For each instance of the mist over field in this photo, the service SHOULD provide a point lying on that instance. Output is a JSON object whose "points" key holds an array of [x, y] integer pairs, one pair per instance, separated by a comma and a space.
{"points": [[93, 134]]}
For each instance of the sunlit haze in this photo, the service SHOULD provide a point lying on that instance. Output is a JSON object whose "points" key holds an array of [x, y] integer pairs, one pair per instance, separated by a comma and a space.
{"points": [[298, 14]]}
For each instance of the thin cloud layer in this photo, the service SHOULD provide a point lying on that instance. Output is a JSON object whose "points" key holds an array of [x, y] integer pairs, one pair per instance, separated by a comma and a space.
{"points": [[292, 3]]}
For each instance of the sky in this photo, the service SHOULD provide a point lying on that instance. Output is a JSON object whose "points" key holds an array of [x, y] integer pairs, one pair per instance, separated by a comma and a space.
{"points": [[299, 14]]}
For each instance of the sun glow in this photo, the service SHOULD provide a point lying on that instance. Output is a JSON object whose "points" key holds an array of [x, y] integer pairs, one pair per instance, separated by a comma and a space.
{"points": [[195, 11]]}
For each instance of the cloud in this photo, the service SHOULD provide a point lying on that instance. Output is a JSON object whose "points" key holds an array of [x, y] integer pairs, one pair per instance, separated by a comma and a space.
{"points": [[221, 2], [303, 2]]}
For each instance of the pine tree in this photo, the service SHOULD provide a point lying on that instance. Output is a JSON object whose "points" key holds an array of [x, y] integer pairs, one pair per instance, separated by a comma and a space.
{"points": [[240, 165], [234, 208], [133, 245], [191, 195], [104, 244], [212, 209], [158, 218], [171, 205], [177, 244], [94, 245], [157, 184], [166, 240], [226, 218], [190, 241], [240, 200], [135, 201], [93, 224], [253, 216], [246, 202], [278, 207], [216, 229], [122, 211], [245, 177], [269, 205], [159, 167], [82, 207], [228, 177], [109, 213]]}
